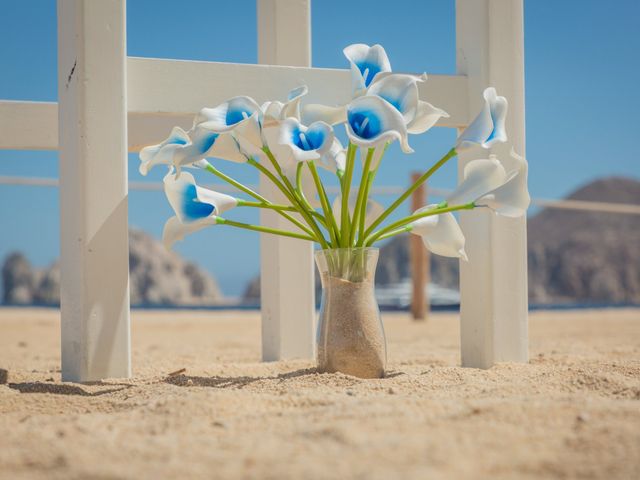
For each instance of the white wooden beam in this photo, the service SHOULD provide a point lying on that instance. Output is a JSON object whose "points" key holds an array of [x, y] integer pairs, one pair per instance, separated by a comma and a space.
{"points": [[490, 52], [287, 269], [164, 93], [93, 190]]}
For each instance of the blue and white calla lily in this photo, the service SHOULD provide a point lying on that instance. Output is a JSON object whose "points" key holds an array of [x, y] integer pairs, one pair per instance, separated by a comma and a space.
{"points": [[239, 116], [195, 207], [372, 122], [441, 233], [401, 91], [366, 63], [176, 149], [305, 143], [488, 127]]}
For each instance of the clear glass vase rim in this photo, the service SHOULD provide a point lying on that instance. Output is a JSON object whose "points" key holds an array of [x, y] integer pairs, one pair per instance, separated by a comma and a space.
{"points": [[354, 249], [328, 251]]}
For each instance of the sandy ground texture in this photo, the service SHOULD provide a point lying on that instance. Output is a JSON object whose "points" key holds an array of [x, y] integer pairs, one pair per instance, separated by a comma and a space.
{"points": [[572, 412]]}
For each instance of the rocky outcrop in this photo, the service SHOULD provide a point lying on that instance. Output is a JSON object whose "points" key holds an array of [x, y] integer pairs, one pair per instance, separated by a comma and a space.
{"points": [[587, 256], [18, 279], [157, 277]]}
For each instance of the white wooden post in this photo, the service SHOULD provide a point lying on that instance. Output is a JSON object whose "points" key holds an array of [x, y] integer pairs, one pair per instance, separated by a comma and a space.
{"points": [[287, 280], [493, 284], [92, 121]]}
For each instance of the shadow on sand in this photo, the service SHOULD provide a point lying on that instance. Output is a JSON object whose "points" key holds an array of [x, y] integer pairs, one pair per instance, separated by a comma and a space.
{"points": [[57, 389], [233, 382]]}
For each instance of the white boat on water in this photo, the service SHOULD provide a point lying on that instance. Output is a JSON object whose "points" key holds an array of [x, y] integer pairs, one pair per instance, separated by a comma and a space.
{"points": [[399, 294]]}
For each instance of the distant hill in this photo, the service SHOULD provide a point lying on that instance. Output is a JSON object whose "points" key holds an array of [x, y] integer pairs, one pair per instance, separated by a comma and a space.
{"points": [[587, 256], [157, 277], [574, 256]]}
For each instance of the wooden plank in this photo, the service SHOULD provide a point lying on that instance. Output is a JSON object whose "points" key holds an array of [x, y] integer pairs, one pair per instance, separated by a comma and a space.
{"points": [[419, 257], [93, 190], [164, 93], [490, 46], [175, 86], [287, 269]]}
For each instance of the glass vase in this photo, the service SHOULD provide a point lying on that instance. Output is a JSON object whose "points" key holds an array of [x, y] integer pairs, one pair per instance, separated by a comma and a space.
{"points": [[350, 337]]}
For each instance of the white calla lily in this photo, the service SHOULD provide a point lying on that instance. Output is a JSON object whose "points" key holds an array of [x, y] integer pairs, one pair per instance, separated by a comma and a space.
{"points": [[306, 143], [335, 158], [191, 202], [177, 149], [322, 113], [221, 145], [401, 91], [488, 127], [366, 62], [511, 199], [292, 142], [277, 111], [426, 117], [372, 122], [175, 230], [479, 177], [239, 116], [487, 184], [441, 233], [373, 209]]}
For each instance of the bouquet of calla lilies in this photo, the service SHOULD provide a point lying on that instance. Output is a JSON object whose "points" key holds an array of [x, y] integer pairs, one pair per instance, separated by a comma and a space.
{"points": [[288, 143]]}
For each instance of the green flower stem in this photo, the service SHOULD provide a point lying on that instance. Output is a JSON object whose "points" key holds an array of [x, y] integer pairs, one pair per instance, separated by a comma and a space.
{"points": [[392, 233], [271, 206], [210, 168], [411, 218], [288, 193], [332, 226], [306, 203], [357, 211], [370, 178], [259, 228], [306, 213], [346, 186], [425, 176]]}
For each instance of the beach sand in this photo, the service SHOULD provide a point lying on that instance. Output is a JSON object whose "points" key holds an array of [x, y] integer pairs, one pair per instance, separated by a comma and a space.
{"points": [[573, 411]]}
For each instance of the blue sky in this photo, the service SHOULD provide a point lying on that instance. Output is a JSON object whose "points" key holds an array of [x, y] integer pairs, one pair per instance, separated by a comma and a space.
{"points": [[582, 100]]}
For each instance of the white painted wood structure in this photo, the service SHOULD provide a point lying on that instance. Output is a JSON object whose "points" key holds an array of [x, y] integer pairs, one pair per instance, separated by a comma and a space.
{"points": [[108, 102], [493, 283]]}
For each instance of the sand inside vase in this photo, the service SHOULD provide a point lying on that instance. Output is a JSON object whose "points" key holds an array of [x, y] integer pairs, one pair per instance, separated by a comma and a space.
{"points": [[351, 336]]}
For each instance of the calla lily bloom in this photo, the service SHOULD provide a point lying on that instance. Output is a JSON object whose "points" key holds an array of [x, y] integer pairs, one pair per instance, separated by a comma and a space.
{"points": [[315, 142], [174, 230], [306, 143], [335, 159], [373, 209], [401, 91], [239, 116], [316, 112], [488, 127], [511, 199], [195, 207], [178, 149], [276, 111], [441, 233], [372, 121], [191, 202], [478, 178], [366, 62], [486, 183]]}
